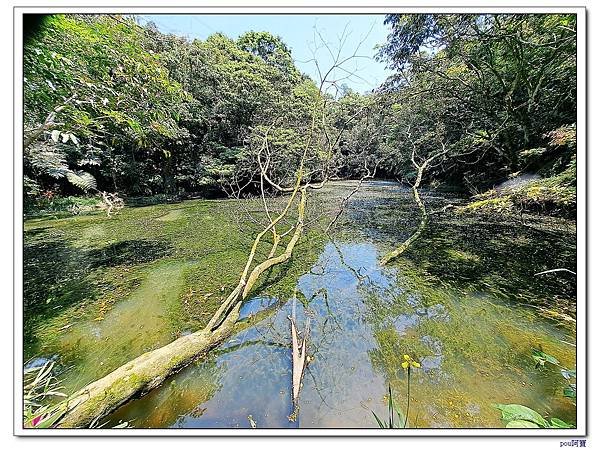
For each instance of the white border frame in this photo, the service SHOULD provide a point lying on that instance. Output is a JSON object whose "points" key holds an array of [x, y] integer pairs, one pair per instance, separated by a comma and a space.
{"points": [[315, 8]]}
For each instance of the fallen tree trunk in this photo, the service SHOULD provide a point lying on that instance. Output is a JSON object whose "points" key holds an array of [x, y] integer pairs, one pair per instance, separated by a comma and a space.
{"points": [[424, 215], [141, 375], [149, 370]]}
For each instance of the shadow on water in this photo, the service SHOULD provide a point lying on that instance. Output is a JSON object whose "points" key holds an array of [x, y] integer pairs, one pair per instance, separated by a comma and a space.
{"points": [[477, 252], [128, 252], [474, 349], [450, 304], [502, 256], [57, 275]]}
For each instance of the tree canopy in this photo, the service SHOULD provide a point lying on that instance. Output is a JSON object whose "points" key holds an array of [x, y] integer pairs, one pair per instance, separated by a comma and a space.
{"points": [[500, 83], [119, 107]]}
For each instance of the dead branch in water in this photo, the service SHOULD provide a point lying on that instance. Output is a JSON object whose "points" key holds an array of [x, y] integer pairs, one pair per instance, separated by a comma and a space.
{"points": [[415, 190], [555, 270], [111, 201], [299, 360]]}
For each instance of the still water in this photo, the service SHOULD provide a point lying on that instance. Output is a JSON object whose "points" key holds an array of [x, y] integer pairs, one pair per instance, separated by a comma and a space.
{"points": [[474, 340]]}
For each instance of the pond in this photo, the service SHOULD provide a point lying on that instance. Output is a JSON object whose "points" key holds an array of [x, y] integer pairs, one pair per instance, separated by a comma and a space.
{"points": [[464, 302]]}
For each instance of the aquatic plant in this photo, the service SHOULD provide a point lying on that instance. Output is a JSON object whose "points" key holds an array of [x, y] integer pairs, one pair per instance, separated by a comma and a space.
{"points": [[402, 418], [519, 416], [571, 390], [39, 386], [541, 358], [468, 327], [49, 204], [402, 422]]}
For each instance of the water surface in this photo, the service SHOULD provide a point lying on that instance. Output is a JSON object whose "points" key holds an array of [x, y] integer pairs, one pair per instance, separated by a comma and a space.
{"points": [[463, 302]]}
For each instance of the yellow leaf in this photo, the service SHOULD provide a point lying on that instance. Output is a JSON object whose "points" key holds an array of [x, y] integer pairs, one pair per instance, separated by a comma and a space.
{"points": [[405, 364], [406, 357], [416, 364]]}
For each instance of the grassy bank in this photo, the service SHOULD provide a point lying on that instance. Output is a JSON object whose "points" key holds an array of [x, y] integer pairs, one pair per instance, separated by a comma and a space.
{"points": [[554, 195]]}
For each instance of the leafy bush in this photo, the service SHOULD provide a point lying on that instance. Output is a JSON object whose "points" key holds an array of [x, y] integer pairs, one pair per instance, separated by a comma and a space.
{"points": [[50, 204]]}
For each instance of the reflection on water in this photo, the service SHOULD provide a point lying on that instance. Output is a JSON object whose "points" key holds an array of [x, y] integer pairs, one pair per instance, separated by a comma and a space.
{"points": [[256, 304], [473, 351], [458, 304]]}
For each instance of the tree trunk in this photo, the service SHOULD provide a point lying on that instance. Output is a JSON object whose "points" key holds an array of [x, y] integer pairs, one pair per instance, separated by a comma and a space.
{"points": [[141, 375], [149, 370]]}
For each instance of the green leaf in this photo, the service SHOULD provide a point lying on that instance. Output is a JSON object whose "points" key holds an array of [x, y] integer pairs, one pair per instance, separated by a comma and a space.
{"points": [[570, 391], [52, 418], [519, 412], [401, 419], [82, 180], [568, 374], [557, 423], [521, 424], [541, 358], [379, 422]]}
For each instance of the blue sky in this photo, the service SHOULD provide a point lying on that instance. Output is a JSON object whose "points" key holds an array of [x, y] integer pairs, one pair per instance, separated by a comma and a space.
{"points": [[298, 32]]}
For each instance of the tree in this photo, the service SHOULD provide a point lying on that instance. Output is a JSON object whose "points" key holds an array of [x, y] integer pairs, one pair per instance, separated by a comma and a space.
{"points": [[272, 50], [112, 105], [511, 75]]}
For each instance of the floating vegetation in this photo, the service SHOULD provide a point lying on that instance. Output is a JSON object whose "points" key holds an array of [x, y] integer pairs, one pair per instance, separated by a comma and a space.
{"points": [[447, 304]]}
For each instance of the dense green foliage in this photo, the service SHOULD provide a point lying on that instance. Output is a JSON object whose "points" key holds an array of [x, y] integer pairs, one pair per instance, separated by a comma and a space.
{"points": [[114, 106], [493, 87], [118, 108], [146, 113]]}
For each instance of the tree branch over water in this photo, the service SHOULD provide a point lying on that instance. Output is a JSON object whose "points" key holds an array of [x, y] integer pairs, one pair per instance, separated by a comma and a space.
{"points": [[149, 370], [421, 167]]}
